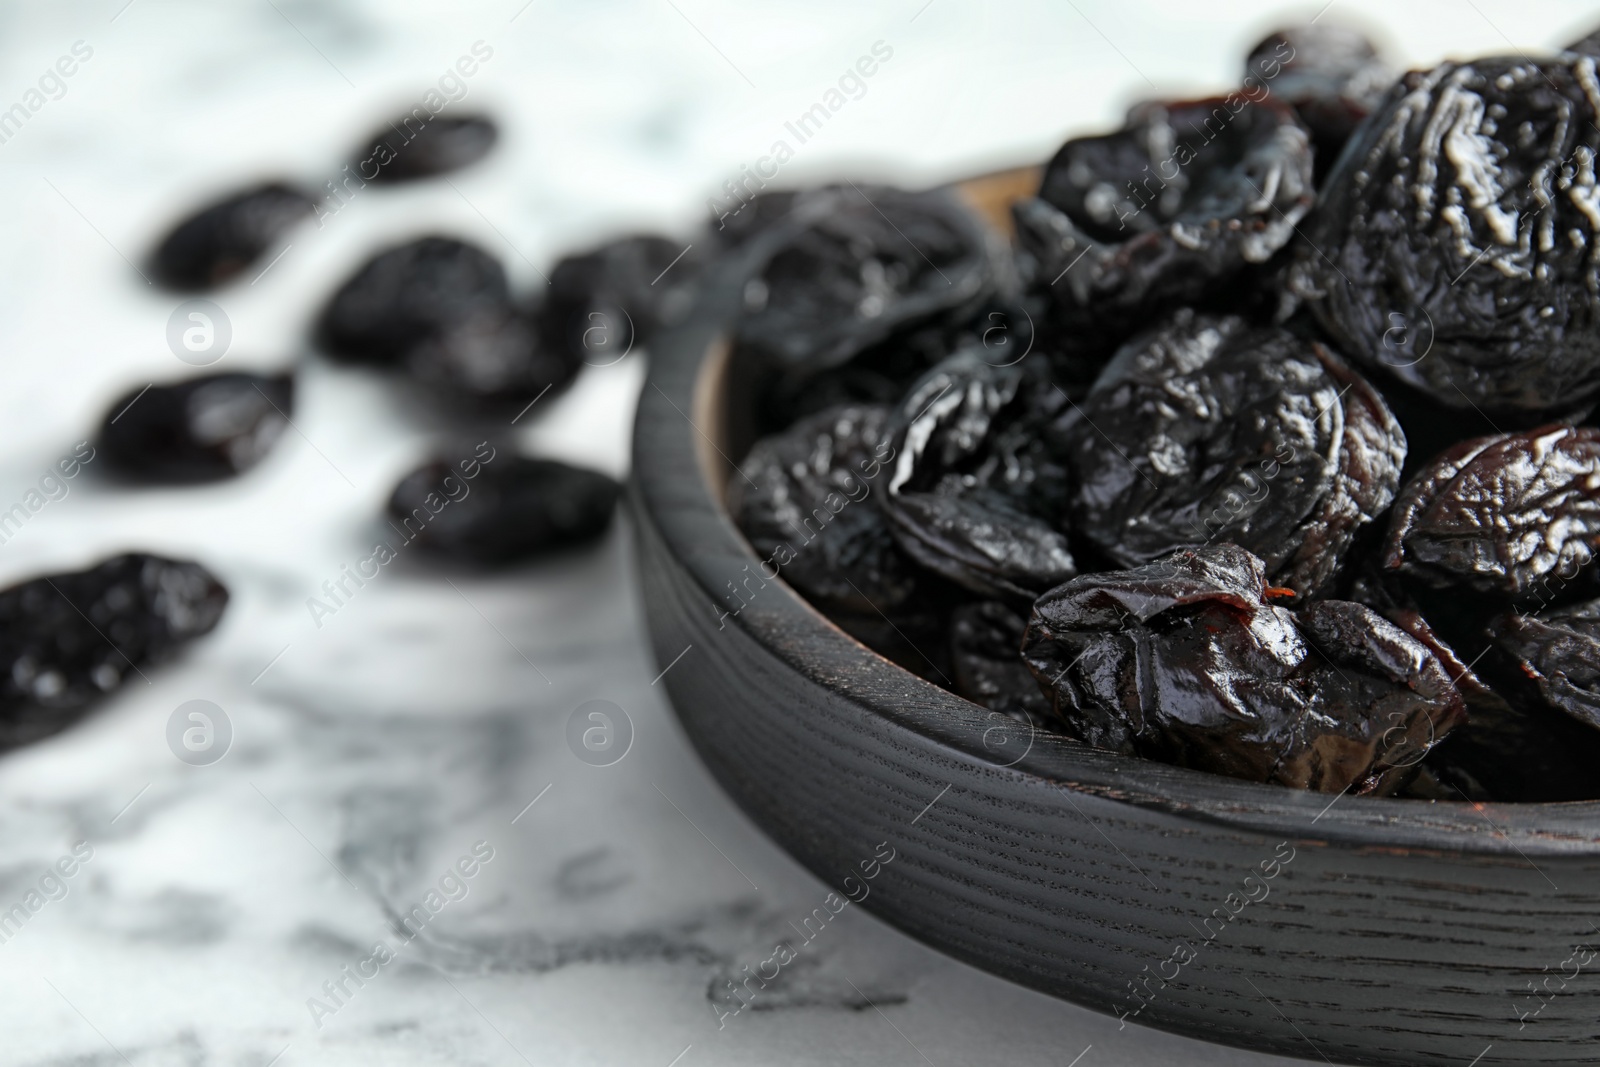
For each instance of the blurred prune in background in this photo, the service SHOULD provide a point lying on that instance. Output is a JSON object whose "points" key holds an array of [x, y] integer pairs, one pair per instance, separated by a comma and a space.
{"points": [[66, 639], [409, 148], [219, 241], [412, 293], [985, 658], [1331, 75], [199, 430], [491, 359], [603, 303], [491, 509]]}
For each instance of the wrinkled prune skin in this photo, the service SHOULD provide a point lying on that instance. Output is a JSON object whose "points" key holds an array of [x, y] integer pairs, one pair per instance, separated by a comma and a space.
{"points": [[200, 430], [848, 267], [1167, 210], [1332, 77], [404, 151], [514, 508], [987, 667], [411, 293], [1452, 247], [1559, 650], [970, 492], [753, 216], [801, 497], [1184, 660], [1513, 515], [491, 358], [1208, 429], [604, 303], [70, 638], [216, 243]]}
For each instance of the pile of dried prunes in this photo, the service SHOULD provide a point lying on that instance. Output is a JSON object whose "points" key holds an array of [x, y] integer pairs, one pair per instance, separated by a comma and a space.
{"points": [[1263, 448]]}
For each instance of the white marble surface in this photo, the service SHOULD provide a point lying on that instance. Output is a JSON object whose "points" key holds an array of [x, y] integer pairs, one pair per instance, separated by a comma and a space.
{"points": [[430, 711]]}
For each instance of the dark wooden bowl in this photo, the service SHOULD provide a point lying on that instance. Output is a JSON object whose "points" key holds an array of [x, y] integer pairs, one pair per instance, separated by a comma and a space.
{"points": [[1365, 931]]}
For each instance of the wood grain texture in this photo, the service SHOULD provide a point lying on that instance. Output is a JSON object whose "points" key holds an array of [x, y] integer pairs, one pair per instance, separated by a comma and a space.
{"points": [[1400, 932]]}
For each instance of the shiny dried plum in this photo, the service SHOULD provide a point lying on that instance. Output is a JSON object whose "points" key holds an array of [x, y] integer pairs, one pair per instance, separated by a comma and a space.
{"points": [[971, 488], [1510, 514], [493, 357], [1332, 77], [801, 499], [218, 242], [1169, 209], [1453, 247], [409, 148], [603, 303], [203, 429], [508, 508], [1559, 650], [69, 638], [986, 661], [1207, 429], [410, 293], [1184, 660], [848, 267]]}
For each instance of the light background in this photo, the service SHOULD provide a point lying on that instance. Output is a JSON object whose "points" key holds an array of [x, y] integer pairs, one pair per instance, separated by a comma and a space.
{"points": [[378, 747]]}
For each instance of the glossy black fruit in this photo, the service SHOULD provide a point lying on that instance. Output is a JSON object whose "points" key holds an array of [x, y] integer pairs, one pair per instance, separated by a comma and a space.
{"points": [[200, 430], [513, 508], [409, 148], [218, 242]]}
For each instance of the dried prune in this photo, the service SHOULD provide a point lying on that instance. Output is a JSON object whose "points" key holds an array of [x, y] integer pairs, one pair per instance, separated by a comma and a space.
{"points": [[408, 149], [1184, 660], [223, 238], [411, 293], [971, 490], [848, 267], [801, 499], [1331, 76], [1510, 514], [511, 508], [1453, 244], [199, 430], [985, 659], [1169, 209], [66, 639], [1559, 650], [1208, 429], [491, 357], [604, 302]]}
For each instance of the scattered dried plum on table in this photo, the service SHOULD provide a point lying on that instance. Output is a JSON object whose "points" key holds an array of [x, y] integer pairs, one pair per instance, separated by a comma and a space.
{"points": [[411, 293], [1168, 210], [66, 639], [511, 508], [801, 497], [973, 492], [848, 267], [1185, 660], [406, 149], [216, 243], [1331, 75], [200, 430], [1514, 515], [603, 303], [1455, 246], [1208, 429], [986, 661], [491, 358]]}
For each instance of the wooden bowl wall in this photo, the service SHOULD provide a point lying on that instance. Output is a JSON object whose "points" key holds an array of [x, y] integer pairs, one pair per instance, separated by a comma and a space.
{"points": [[1364, 930]]}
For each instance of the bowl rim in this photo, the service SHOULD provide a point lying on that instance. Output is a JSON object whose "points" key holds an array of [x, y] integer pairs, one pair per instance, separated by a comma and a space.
{"points": [[679, 471]]}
